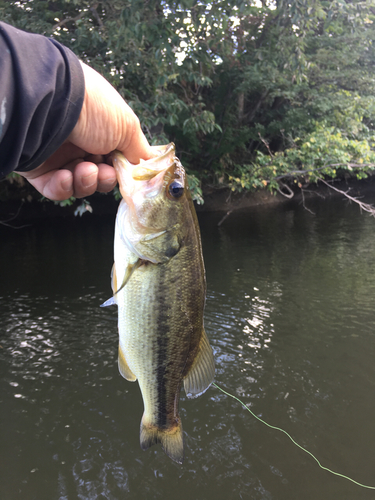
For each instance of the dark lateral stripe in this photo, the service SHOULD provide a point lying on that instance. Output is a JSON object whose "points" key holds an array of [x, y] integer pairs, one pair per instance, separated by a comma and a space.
{"points": [[172, 348], [162, 342]]}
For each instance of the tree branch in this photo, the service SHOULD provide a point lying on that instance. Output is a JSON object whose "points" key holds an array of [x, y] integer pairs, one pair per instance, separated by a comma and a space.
{"points": [[266, 144], [285, 190], [68, 20], [4, 222], [234, 207], [303, 203], [363, 206], [330, 165], [96, 15], [251, 114]]}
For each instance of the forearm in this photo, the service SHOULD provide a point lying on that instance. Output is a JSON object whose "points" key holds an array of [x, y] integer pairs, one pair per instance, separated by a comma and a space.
{"points": [[41, 94]]}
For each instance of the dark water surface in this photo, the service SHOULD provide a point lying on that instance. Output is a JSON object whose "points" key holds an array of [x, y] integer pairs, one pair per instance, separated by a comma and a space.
{"points": [[290, 315]]}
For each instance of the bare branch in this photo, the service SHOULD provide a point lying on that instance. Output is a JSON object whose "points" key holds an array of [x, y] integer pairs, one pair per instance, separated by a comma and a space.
{"points": [[4, 222], [249, 117], [285, 190], [68, 20], [225, 216], [234, 207], [363, 206], [14, 216], [96, 15], [79, 16], [329, 165], [184, 89], [148, 131], [351, 165], [14, 227], [266, 144], [316, 193], [303, 203]]}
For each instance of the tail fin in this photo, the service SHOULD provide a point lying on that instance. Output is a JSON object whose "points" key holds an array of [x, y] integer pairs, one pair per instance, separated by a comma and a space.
{"points": [[171, 439]]}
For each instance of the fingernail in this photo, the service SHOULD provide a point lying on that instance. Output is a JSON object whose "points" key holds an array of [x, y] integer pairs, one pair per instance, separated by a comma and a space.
{"points": [[67, 184], [106, 185], [109, 182], [89, 180]]}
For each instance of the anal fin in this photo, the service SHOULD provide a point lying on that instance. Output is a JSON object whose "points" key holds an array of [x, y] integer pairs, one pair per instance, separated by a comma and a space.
{"points": [[202, 373], [124, 367]]}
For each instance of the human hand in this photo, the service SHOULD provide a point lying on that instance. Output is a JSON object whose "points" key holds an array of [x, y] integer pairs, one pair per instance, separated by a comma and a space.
{"points": [[106, 123]]}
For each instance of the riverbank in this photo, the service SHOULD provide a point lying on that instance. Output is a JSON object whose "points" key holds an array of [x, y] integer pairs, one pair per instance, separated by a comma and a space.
{"points": [[224, 200], [215, 200]]}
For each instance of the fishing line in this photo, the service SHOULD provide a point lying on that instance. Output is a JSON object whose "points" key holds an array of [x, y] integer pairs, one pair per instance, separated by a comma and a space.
{"points": [[293, 441]]}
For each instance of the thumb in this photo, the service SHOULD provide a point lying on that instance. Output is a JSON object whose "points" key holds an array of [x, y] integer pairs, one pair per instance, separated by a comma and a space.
{"points": [[134, 145], [107, 122]]}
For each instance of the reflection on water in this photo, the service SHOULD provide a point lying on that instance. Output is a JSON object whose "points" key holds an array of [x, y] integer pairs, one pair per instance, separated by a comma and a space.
{"points": [[291, 320]]}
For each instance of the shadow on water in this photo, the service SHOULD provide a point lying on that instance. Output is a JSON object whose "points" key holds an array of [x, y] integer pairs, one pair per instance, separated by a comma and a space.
{"points": [[290, 317]]}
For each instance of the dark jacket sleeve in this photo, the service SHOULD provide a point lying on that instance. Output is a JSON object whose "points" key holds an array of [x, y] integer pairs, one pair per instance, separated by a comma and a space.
{"points": [[41, 95]]}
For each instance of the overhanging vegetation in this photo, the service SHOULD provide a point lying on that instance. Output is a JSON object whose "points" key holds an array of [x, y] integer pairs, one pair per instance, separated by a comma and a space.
{"points": [[253, 93]]}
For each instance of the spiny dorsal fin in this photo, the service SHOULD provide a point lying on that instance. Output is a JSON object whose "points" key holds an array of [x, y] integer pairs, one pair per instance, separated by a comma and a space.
{"points": [[202, 373], [124, 367]]}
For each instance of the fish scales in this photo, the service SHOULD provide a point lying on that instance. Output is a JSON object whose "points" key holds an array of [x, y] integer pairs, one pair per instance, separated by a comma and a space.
{"points": [[159, 287], [150, 349]]}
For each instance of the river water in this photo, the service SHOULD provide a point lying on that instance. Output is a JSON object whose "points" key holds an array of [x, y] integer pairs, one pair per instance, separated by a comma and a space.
{"points": [[290, 316]]}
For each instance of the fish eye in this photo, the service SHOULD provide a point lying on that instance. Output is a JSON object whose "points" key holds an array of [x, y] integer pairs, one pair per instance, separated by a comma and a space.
{"points": [[176, 189]]}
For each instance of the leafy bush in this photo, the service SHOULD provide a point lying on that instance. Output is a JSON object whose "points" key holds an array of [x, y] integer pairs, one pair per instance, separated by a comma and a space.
{"points": [[250, 92]]}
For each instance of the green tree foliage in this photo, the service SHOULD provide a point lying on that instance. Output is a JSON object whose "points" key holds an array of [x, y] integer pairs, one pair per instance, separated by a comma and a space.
{"points": [[250, 91]]}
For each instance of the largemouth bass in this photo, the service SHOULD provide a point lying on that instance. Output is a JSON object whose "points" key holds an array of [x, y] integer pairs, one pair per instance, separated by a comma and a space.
{"points": [[158, 282]]}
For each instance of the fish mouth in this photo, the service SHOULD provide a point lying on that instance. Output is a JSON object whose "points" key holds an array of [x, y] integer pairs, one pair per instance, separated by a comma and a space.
{"points": [[150, 168], [128, 174], [146, 169]]}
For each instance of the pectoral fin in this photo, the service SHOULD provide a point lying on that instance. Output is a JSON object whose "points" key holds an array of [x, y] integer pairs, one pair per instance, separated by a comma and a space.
{"points": [[113, 300], [109, 302], [202, 373], [113, 279], [129, 271], [124, 367]]}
